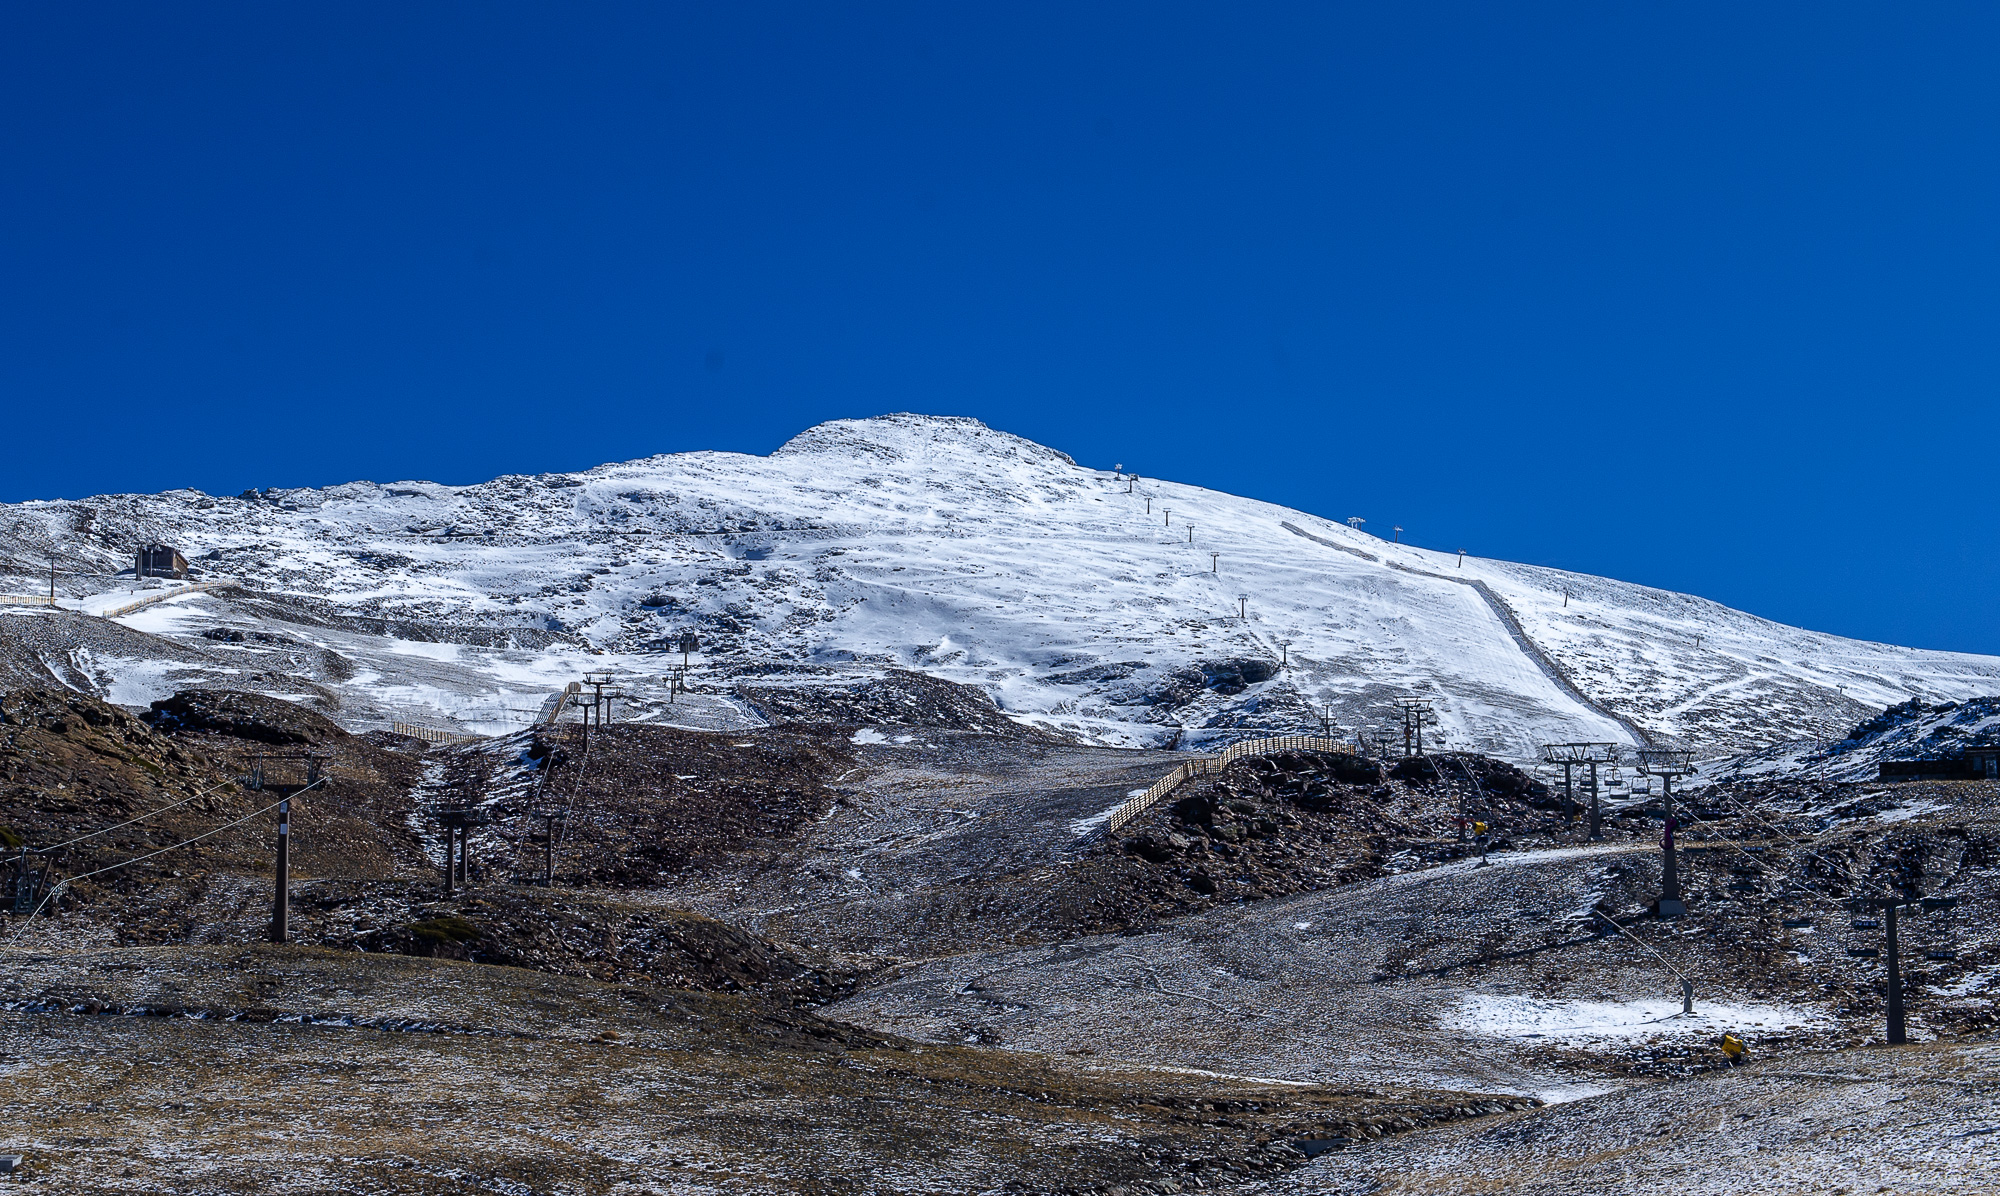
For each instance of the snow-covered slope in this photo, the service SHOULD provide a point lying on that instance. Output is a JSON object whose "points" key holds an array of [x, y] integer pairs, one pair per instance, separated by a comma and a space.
{"points": [[939, 544], [1913, 730]]}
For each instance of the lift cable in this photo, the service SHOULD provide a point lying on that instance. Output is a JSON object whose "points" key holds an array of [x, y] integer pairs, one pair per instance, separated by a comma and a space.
{"points": [[1800, 846], [56, 889], [1643, 943], [575, 789], [128, 822]]}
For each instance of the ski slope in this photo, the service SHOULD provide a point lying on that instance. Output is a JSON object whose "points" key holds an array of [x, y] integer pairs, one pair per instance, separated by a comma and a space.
{"points": [[939, 544]]}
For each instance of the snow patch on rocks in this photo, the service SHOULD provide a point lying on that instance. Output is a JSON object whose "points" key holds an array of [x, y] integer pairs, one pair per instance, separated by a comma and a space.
{"points": [[1567, 1021]]}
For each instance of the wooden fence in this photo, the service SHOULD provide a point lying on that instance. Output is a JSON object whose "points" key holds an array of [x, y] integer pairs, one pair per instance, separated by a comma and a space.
{"points": [[1140, 803], [551, 711], [199, 587], [433, 734]]}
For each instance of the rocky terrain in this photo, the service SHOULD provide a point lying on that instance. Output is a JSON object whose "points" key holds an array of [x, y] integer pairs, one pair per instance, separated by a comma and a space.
{"points": [[297, 1070], [1911, 1121], [840, 904], [819, 956]]}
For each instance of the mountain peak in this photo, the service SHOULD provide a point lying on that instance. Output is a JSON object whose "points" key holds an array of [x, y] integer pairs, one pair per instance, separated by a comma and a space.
{"points": [[912, 436]]}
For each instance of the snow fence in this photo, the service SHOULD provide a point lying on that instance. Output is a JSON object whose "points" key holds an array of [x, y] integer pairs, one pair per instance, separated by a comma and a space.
{"points": [[1210, 764]]}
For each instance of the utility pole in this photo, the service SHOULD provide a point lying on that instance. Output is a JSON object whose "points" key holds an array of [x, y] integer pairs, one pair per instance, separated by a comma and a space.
{"points": [[1170, 516], [52, 576], [1461, 558], [1355, 522], [1149, 504], [1190, 528], [1214, 562], [281, 928], [1243, 606], [1396, 534]]}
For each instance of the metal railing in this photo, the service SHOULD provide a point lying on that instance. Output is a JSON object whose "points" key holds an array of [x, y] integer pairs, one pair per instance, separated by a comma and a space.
{"points": [[26, 600], [1205, 765]]}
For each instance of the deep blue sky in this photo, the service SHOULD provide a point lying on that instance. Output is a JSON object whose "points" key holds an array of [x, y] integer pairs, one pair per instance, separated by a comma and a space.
{"points": [[1702, 296]]}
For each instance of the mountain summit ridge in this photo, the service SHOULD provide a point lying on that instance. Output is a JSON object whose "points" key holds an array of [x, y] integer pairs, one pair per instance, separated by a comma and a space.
{"points": [[1077, 600]]}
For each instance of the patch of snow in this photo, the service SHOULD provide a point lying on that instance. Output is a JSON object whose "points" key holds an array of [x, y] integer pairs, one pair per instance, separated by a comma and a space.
{"points": [[1220, 1075], [444, 652], [1083, 826], [1975, 981], [1592, 1021], [1562, 1094], [1913, 810], [868, 735]]}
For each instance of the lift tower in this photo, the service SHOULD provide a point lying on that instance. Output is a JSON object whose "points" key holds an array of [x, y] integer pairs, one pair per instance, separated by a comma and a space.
{"points": [[1415, 714], [1589, 755], [1666, 764]]}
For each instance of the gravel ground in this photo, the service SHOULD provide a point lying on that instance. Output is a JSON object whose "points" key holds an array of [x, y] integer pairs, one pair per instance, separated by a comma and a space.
{"points": [[1909, 1120], [1346, 985], [295, 1070]]}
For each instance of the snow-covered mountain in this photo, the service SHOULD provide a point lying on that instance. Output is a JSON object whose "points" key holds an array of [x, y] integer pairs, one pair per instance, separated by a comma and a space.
{"points": [[1914, 730], [1121, 611]]}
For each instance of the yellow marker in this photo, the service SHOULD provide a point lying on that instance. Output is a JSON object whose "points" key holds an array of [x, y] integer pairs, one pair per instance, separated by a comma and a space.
{"points": [[1732, 1046]]}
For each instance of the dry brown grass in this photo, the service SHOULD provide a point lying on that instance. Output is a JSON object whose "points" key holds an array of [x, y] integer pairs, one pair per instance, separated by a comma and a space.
{"points": [[516, 1081]]}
